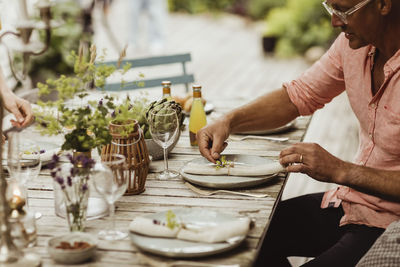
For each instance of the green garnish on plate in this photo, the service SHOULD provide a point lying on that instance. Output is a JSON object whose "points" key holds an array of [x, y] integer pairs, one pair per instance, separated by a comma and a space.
{"points": [[222, 162]]}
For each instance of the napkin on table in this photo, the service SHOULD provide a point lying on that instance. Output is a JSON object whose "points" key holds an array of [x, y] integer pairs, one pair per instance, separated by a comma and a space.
{"points": [[234, 169], [206, 234]]}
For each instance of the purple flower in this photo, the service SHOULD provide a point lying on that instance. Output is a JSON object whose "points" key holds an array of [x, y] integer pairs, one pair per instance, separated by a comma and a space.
{"points": [[101, 102], [53, 173], [69, 181], [60, 180], [84, 187], [113, 114]]}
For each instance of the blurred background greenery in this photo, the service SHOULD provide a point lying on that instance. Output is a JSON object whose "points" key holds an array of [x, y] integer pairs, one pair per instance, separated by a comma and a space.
{"points": [[297, 25], [294, 26]]}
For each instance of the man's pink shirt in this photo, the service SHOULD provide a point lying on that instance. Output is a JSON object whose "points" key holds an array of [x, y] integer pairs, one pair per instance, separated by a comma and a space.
{"points": [[344, 69]]}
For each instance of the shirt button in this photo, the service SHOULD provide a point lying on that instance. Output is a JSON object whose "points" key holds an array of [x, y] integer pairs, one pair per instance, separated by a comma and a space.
{"points": [[370, 135], [373, 105]]}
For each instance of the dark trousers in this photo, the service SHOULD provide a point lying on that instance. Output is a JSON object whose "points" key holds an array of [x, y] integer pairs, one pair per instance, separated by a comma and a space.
{"points": [[301, 228]]}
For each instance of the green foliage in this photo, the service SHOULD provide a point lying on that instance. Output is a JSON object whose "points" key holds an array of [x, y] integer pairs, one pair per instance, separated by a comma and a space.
{"points": [[85, 127], [299, 25], [64, 38], [199, 6], [257, 9]]}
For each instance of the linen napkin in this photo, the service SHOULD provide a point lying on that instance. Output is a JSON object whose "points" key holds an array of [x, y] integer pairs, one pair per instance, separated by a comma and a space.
{"points": [[205, 234], [150, 227], [234, 169]]}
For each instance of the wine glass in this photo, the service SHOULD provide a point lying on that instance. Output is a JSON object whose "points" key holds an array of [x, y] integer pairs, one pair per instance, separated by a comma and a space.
{"points": [[110, 178], [164, 128], [23, 162]]}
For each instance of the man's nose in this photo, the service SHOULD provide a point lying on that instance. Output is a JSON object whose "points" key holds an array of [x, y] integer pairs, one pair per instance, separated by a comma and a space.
{"points": [[336, 21]]}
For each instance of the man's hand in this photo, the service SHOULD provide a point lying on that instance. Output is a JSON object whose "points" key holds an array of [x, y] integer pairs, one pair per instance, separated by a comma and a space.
{"points": [[313, 160], [211, 139], [20, 108]]}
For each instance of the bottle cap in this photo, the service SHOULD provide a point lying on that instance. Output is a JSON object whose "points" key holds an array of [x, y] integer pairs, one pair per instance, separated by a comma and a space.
{"points": [[166, 83], [196, 87]]}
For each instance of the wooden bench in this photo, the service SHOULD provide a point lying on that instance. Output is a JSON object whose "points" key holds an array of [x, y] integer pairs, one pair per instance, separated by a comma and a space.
{"points": [[183, 78]]}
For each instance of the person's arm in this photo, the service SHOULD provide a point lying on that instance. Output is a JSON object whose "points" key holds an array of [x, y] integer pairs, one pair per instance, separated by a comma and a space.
{"points": [[319, 164], [19, 107], [269, 111]]}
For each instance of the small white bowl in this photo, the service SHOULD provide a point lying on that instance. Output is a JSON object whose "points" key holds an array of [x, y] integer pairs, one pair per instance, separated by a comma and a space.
{"points": [[72, 256]]}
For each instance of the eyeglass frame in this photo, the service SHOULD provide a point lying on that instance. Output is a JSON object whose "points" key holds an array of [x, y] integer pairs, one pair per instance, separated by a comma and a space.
{"points": [[343, 15]]}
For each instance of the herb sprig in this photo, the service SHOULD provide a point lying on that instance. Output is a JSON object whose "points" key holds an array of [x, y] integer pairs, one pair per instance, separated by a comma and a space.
{"points": [[222, 163]]}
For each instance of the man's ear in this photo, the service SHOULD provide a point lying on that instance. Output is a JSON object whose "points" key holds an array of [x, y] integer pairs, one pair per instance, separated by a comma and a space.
{"points": [[385, 6]]}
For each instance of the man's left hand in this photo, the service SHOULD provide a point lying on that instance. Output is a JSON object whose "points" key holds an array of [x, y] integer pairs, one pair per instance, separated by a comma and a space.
{"points": [[313, 160]]}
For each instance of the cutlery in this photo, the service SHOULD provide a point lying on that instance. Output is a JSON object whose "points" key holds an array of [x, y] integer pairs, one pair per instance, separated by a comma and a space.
{"points": [[269, 138], [213, 192], [152, 262]]}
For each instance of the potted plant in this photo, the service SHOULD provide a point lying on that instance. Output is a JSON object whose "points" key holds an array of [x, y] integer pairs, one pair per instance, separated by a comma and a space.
{"points": [[85, 126]]}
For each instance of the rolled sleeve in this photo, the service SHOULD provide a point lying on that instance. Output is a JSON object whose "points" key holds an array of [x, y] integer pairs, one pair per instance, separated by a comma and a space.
{"points": [[321, 82]]}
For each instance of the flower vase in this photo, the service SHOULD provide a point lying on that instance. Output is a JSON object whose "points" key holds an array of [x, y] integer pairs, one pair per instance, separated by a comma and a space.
{"points": [[96, 205], [76, 203]]}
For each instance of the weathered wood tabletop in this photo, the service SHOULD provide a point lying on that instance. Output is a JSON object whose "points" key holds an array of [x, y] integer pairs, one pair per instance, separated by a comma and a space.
{"points": [[171, 194]]}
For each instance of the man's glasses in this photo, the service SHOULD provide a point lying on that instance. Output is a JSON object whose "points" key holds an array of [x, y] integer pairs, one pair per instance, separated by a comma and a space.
{"points": [[343, 15]]}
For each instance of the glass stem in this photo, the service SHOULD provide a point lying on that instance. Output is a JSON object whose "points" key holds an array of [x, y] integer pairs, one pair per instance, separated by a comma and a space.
{"points": [[27, 198], [165, 160], [112, 217]]}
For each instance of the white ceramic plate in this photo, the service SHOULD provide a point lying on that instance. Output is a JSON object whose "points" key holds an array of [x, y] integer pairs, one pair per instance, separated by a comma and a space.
{"points": [[186, 249], [47, 150], [208, 108], [283, 128], [229, 182]]}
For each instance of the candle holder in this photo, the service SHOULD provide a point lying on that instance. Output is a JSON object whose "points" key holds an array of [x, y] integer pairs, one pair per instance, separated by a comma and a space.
{"points": [[24, 44], [10, 255], [22, 224]]}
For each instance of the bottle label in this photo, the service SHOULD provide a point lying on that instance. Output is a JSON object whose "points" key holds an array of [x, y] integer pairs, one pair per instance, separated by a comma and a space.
{"points": [[193, 140]]}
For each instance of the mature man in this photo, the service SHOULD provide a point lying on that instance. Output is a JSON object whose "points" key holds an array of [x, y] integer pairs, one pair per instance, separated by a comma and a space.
{"points": [[338, 227]]}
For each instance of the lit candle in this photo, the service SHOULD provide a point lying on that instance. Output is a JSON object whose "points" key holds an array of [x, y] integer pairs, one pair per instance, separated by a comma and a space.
{"points": [[17, 201]]}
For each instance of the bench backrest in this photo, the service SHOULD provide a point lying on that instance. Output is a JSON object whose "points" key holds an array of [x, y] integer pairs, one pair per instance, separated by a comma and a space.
{"points": [[183, 78]]}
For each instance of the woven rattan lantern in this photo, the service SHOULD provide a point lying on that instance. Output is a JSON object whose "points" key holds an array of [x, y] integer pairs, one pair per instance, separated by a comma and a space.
{"points": [[133, 146]]}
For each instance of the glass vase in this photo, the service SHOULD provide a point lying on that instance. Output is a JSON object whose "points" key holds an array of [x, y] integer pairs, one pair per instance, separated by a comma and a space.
{"points": [[76, 202]]}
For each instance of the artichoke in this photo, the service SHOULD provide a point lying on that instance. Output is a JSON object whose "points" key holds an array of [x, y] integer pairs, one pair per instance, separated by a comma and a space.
{"points": [[162, 106]]}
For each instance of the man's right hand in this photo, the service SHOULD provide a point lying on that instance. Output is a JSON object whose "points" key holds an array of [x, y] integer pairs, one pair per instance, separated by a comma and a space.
{"points": [[211, 139]]}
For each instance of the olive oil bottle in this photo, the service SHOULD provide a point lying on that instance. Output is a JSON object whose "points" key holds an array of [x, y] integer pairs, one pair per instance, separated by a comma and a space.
{"points": [[197, 115], [166, 88]]}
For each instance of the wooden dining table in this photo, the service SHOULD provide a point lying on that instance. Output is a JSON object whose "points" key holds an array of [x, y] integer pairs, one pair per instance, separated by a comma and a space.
{"points": [[162, 195]]}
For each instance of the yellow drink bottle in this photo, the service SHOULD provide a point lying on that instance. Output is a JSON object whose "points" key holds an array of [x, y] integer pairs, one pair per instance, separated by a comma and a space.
{"points": [[166, 88], [197, 115]]}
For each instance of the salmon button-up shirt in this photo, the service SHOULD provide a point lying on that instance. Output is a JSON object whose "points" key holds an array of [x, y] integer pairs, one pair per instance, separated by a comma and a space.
{"points": [[344, 69]]}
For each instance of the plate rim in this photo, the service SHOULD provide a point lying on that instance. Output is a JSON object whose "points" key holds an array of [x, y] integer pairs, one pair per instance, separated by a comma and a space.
{"points": [[228, 246], [252, 181]]}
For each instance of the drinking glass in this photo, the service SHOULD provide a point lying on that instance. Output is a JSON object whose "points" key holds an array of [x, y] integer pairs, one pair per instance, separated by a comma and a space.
{"points": [[23, 162], [110, 178], [164, 128]]}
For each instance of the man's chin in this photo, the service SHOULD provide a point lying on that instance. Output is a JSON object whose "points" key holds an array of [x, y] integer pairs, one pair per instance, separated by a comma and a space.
{"points": [[354, 42]]}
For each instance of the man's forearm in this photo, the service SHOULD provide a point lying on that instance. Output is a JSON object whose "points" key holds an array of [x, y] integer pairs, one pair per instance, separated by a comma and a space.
{"points": [[266, 112], [382, 183]]}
